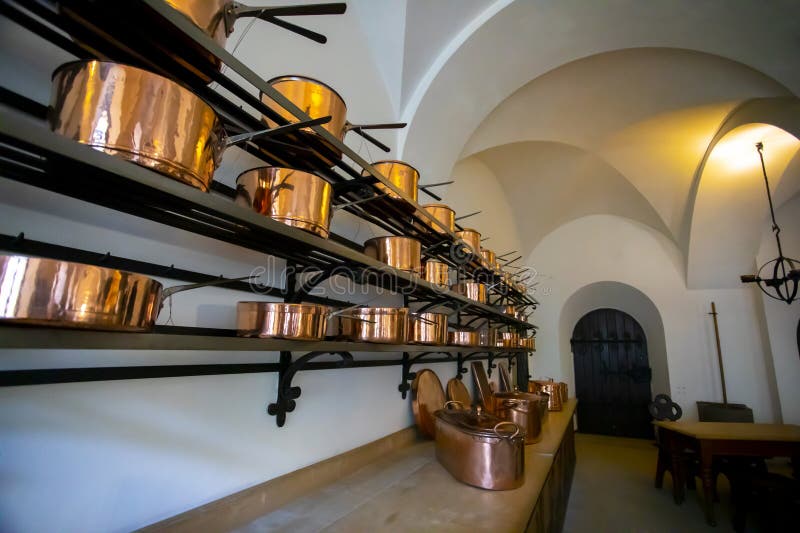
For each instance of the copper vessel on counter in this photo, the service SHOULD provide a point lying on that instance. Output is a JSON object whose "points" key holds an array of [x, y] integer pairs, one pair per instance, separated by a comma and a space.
{"points": [[508, 339], [480, 449], [428, 328], [427, 397], [289, 196], [402, 175], [462, 337], [139, 116], [553, 389], [46, 292], [443, 214], [281, 320], [384, 325], [472, 290], [523, 409], [402, 253], [437, 272], [472, 238]]}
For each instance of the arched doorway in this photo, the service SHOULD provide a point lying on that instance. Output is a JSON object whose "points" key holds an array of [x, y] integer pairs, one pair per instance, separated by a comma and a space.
{"points": [[612, 374]]}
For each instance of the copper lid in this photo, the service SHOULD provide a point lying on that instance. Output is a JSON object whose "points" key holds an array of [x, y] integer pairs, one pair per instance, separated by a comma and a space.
{"points": [[427, 397], [457, 391], [479, 424]]}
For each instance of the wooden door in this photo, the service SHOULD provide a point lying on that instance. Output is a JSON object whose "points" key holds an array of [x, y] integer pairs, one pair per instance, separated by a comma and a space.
{"points": [[612, 375]]}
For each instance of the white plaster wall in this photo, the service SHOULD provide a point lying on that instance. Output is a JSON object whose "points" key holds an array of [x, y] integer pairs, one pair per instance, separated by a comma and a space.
{"points": [[781, 319], [602, 248]]}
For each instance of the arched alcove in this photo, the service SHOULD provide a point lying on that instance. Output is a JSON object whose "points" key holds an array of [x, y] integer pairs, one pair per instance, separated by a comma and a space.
{"points": [[630, 300]]}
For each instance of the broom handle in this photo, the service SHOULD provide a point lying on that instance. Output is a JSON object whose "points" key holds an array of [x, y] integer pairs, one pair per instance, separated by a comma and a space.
{"points": [[713, 313]]}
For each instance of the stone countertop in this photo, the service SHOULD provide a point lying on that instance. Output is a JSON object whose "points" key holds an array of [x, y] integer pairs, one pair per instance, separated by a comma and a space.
{"points": [[409, 490]]}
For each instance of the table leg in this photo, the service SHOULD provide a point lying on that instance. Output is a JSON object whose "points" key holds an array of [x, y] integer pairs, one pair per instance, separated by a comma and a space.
{"points": [[677, 470], [707, 475]]}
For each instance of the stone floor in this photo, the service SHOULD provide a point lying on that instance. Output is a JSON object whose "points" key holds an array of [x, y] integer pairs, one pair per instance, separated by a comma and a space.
{"points": [[613, 492]]}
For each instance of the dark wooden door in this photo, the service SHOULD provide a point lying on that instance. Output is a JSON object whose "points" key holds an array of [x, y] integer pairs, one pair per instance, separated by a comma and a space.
{"points": [[612, 375]]}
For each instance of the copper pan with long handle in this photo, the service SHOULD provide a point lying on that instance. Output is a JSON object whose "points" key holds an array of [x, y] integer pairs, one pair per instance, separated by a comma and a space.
{"points": [[47, 292]]}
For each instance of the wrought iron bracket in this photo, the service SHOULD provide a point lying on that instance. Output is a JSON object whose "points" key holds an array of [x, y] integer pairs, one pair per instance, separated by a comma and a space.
{"points": [[461, 359], [408, 375], [288, 394]]}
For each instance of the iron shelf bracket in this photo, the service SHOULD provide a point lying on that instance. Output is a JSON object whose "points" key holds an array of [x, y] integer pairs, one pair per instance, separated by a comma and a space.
{"points": [[461, 358], [408, 375], [287, 394]]}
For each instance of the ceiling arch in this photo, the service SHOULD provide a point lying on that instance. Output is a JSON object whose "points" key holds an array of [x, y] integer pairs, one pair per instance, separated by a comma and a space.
{"points": [[548, 184], [487, 66]]}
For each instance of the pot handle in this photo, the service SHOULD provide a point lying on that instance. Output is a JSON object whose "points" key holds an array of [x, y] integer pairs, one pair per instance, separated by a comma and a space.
{"points": [[169, 291], [455, 402], [359, 129], [506, 423], [511, 403], [280, 130], [235, 10]]}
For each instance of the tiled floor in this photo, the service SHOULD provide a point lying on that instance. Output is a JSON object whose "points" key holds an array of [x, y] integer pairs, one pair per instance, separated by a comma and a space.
{"points": [[613, 492]]}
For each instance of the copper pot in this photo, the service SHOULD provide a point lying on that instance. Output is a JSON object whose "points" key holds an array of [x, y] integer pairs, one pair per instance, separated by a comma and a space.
{"points": [[292, 197], [46, 292], [489, 257], [472, 290], [138, 116], [281, 320], [555, 401], [462, 337], [522, 409], [437, 273], [528, 342], [443, 214], [487, 337], [428, 328], [471, 238], [402, 175], [508, 310], [480, 449], [385, 325], [508, 339], [402, 253]]}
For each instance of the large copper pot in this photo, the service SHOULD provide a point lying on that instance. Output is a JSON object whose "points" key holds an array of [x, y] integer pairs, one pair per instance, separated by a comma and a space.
{"points": [[472, 290], [385, 325], [139, 116], [471, 238], [402, 253], [480, 449], [555, 399], [46, 292], [402, 175], [292, 197], [443, 214], [428, 328], [437, 273], [281, 320], [522, 409], [463, 337]]}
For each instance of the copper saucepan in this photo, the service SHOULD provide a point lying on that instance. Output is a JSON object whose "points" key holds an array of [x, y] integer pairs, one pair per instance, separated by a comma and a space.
{"points": [[281, 320], [508, 339], [385, 325], [428, 328], [463, 337], [144, 118], [400, 174], [293, 197], [316, 99], [471, 238], [472, 290], [437, 272], [443, 214], [63, 294], [402, 253]]}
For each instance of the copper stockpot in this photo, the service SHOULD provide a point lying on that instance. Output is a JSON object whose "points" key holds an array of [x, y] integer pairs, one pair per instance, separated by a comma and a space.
{"points": [[523, 409], [281, 320], [462, 337], [385, 325], [489, 257], [472, 290], [472, 238], [480, 449], [428, 328], [402, 175], [508, 339], [402, 253], [443, 214], [437, 273], [46, 292], [487, 337], [292, 197], [555, 400], [138, 116]]}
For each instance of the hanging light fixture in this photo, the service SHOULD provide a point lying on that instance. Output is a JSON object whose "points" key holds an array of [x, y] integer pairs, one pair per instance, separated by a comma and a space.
{"points": [[785, 271]]}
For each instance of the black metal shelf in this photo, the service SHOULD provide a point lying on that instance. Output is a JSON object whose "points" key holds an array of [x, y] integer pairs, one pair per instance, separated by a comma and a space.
{"points": [[31, 154], [100, 32]]}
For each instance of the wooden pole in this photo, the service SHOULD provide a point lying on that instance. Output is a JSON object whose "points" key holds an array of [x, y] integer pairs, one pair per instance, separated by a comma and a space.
{"points": [[713, 313]]}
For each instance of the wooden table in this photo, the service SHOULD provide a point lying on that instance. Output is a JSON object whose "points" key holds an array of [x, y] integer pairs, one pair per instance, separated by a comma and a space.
{"points": [[711, 439]]}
